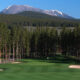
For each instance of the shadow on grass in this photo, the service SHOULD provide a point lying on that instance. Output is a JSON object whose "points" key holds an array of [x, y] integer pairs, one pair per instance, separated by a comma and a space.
{"points": [[59, 59], [54, 59]]}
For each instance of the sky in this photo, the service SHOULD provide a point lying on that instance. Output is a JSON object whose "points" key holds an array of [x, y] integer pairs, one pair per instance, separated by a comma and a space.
{"points": [[70, 7]]}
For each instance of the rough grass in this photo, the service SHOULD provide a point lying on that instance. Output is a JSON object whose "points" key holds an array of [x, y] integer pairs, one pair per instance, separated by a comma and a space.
{"points": [[38, 70]]}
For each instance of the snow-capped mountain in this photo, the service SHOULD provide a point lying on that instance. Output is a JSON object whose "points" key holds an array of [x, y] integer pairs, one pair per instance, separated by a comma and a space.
{"points": [[56, 13], [14, 9], [19, 8]]}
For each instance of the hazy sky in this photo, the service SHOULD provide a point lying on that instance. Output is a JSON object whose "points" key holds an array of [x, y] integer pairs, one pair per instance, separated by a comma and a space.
{"points": [[70, 7]]}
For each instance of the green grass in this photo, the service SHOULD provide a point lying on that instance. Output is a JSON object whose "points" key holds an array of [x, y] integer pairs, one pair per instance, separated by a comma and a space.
{"points": [[38, 70]]}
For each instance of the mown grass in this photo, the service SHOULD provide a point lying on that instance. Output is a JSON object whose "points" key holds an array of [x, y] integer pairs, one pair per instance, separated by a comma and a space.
{"points": [[35, 69]]}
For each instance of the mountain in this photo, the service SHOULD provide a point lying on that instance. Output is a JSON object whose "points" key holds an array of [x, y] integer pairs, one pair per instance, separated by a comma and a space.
{"points": [[56, 13], [32, 14], [14, 9], [19, 8]]}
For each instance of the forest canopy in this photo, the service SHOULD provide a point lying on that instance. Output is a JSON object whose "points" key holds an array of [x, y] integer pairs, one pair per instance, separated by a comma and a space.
{"points": [[37, 19]]}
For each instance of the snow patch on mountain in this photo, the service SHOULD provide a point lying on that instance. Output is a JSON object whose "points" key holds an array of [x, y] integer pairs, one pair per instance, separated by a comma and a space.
{"points": [[8, 7]]}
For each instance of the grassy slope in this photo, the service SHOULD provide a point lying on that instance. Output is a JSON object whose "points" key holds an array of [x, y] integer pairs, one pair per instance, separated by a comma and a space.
{"points": [[38, 70]]}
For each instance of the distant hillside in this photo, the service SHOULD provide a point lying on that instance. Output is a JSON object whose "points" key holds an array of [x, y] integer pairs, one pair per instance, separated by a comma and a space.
{"points": [[33, 14], [37, 19]]}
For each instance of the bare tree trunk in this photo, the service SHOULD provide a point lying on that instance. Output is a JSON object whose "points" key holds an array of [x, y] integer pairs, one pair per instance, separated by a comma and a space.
{"points": [[22, 53], [13, 52], [6, 56], [17, 52], [9, 53], [0, 56]]}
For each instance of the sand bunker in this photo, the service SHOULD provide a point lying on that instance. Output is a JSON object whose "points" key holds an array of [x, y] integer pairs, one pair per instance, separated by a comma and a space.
{"points": [[16, 62], [74, 66]]}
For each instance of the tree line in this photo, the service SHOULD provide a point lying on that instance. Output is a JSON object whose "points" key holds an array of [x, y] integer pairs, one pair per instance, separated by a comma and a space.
{"points": [[36, 20], [40, 42]]}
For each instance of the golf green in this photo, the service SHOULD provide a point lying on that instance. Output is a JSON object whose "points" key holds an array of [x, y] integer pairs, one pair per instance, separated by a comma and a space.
{"points": [[38, 70]]}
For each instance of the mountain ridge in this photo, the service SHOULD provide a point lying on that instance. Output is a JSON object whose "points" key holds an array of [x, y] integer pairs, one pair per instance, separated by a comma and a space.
{"points": [[14, 9]]}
